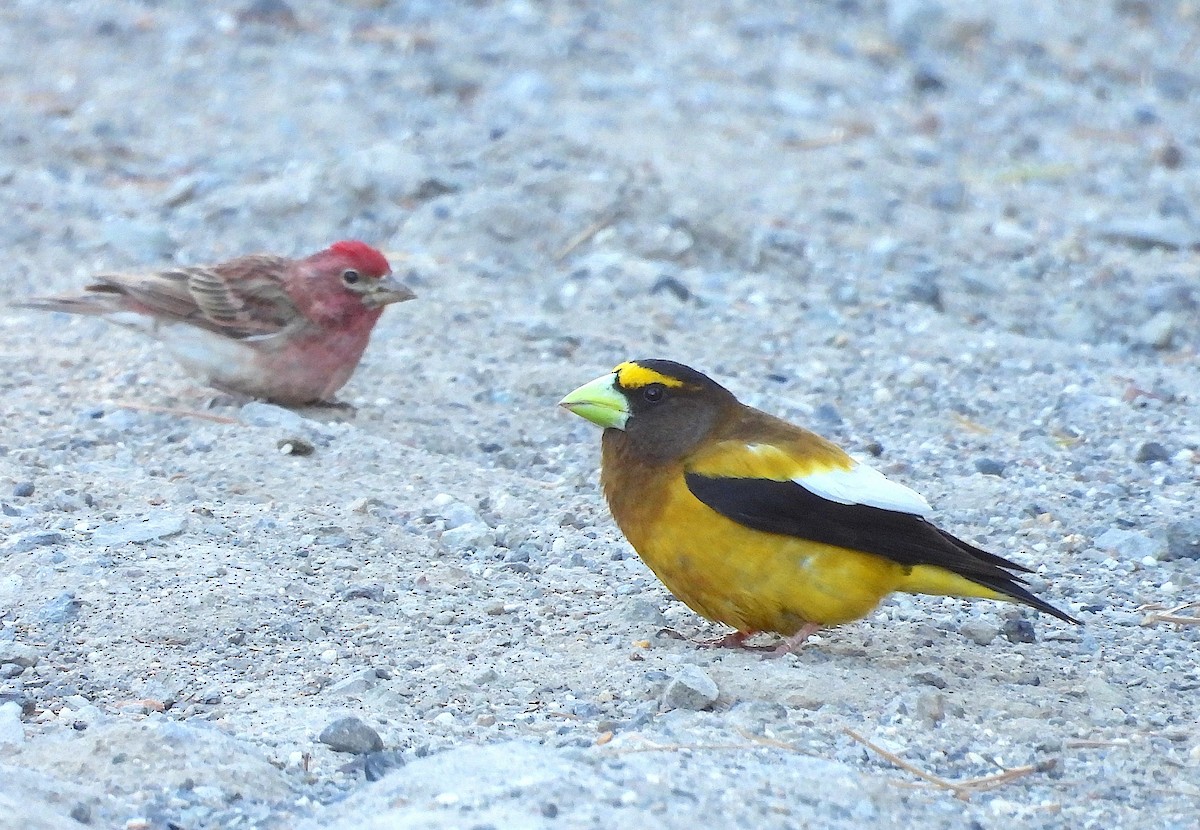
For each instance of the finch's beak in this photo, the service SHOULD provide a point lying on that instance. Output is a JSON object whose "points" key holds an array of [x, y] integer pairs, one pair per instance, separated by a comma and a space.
{"points": [[599, 402], [386, 291]]}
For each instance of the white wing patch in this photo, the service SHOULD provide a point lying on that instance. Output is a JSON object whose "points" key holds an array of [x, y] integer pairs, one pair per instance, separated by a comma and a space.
{"points": [[865, 485]]}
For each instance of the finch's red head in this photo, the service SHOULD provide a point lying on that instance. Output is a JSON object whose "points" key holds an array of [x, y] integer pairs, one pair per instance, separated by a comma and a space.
{"points": [[362, 256]]}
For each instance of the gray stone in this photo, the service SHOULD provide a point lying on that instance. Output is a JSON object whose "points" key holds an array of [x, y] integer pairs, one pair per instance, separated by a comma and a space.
{"points": [[979, 632], [931, 707], [456, 514], [1142, 234], [1019, 630], [355, 683], [1152, 451], [138, 531], [950, 197], [1130, 544], [468, 537], [351, 735], [122, 420], [22, 489], [1158, 332], [31, 539], [989, 466], [641, 610], [1183, 540], [690, 688], [12, 731], [19, 653], [912, 23], [930, 678], [63, 608], [259, 414]]}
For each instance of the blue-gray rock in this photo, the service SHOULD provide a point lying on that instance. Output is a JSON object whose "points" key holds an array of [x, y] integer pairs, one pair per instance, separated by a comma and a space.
{"points": [[63, 608], [354, 684], [22, 489], [949, 197], [1183, 540], [259, 414], [1152, 451], [1130, 544], [989, 466], [468, 537], [30, 539], [351, 735], [19, 653], [138, 531], [1019, 630], [12, 731], [1142, 234], [689, 688], [979, 632]]}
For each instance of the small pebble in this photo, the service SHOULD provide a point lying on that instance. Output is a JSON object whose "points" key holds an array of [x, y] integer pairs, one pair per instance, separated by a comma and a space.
{"points": [[690, 688], [989, 466], [930, 678], [19, 653], [22, 489], [979, 632], [1019, 630], [950, 197], [351, 735], [1152, 451], [1183, 540]]}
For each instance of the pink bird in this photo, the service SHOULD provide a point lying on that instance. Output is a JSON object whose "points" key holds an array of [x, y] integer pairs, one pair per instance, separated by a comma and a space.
{"points": [[288, 330]]}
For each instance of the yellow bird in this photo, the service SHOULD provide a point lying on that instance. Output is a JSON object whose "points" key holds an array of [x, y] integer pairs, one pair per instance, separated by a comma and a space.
{"points": [[762, 525]]}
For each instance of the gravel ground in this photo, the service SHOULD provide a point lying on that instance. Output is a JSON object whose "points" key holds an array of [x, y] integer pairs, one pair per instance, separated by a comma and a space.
{"points": [[961, 239]]}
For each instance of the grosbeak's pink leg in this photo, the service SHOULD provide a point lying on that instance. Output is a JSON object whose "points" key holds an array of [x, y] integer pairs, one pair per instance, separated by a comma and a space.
{"points": [[789, 644], [734, 639]]}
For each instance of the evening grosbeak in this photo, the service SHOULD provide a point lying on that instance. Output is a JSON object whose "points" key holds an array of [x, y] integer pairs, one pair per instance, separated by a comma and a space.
{"points": [[288, 330], [763, 525]]}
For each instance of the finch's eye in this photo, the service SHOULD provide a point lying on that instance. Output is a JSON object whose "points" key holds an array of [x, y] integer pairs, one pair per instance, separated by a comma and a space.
{"points": [[654, 392], [350, 276]]}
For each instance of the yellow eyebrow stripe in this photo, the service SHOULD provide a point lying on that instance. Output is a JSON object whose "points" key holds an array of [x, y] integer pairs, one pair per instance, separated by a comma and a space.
{"points": [[633, 376]]}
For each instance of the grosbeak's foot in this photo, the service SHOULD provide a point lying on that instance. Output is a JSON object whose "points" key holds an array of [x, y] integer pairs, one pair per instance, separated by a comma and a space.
{"points": [[789, 645], [672, 634], [734, 639]]}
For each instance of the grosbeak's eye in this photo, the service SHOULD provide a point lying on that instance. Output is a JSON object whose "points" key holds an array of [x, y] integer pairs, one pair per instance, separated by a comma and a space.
{"points": [[350, 276], [654, 392]]}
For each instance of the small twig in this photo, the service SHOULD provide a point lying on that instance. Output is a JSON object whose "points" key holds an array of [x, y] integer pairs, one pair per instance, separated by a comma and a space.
{"points": [[1093, 743], [653, 747], [842, 135], [169, 410], [904, 765], [961, 789], [971, 426], [584, 235], [773, 743], [1034, 172], [1169, 613], [1170, 618]]}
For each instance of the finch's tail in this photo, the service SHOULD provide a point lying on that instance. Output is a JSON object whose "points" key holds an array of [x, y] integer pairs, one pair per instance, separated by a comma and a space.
{"points": [[96, 302]]}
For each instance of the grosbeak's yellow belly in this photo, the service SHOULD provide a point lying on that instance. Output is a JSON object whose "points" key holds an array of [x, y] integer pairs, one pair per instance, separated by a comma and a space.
{"points": [[757, 581]]}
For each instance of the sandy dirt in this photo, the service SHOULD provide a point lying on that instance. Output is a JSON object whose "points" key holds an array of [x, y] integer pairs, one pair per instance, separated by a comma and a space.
{"points": [[961, 241]]}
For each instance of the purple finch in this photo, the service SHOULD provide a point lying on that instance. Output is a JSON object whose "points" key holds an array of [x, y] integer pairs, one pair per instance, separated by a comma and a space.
{"points": [[288, 330]]}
